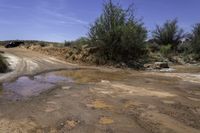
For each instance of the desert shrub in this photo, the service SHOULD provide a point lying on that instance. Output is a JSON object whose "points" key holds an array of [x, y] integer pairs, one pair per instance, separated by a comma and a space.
{"points": [[185, 47], [80, 42], [43, 44], [168, 33], [195, 36], [153, 47], [3, 65], [67, 43], [165, 50], [119, 36]]}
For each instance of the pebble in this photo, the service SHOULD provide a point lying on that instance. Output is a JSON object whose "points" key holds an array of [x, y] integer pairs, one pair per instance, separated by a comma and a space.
{"points": [[66, 87]]}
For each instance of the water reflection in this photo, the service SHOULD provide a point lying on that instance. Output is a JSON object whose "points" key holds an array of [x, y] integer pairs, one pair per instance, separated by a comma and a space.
{"points": [[25, 86], [93, 75]]}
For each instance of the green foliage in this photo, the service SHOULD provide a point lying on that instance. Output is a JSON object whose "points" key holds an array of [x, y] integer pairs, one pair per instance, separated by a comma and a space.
{"points": [[33, 42], [118, 34], [77, 43], [80, 42], [196, 39], [67, 43], [3, 65], [185, 47], [168, 33], [153, 47], [165, 50]]}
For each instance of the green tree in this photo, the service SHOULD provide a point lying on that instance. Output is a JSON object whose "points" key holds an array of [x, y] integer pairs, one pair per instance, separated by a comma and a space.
{"points": [[195, 36], [168, 33], [118, 34]]}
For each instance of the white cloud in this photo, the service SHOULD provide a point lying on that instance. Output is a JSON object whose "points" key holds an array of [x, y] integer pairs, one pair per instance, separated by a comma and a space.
{"points": [[63, 17], [55, 13], [9, 6]]}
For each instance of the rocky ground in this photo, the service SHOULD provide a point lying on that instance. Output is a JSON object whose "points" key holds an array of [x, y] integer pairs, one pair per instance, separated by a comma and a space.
{"points": [[97, 100]]}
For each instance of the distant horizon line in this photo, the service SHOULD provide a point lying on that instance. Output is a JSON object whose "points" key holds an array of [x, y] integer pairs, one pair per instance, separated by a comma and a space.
{"points": [[29, 40]]}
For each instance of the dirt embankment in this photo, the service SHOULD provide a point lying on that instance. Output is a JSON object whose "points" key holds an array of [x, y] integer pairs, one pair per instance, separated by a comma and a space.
{"points": [[81, 55], [87, 56], [84, 55]]}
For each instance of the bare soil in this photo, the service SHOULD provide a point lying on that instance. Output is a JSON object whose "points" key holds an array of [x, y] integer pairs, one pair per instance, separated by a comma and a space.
{"points": [[98, 100]]}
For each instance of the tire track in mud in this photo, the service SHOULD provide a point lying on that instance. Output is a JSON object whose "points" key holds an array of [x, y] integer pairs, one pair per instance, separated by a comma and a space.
{"points": [[154, 112], [155, 121]]}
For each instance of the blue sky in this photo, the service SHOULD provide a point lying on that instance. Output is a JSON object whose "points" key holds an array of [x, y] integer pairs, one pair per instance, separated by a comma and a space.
{"points": [[59, 20]]}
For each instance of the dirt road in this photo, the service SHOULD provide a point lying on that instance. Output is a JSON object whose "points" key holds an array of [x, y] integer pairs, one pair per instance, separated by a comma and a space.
{"points": [[25, 62], [96, 100]]}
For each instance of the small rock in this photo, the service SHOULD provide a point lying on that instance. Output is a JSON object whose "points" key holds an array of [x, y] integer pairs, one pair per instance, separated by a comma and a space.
{"points": [[121, 65], [167, 70], [147, 65], [66, 87], [106, 120], [160, 65], [105, 81], [85, 46], [70, 124]]}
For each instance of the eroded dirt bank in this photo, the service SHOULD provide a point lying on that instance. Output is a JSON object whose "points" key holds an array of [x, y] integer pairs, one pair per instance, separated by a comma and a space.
{"points": [[99, 100]]}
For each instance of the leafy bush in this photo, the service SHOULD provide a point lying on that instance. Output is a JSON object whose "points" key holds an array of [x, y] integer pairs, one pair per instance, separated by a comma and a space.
{"points": [[118, 34], [153, 47], [196, 39], [80, 42], [168, 33], [165, 50], [3, 65], [67, 43], [77, 43], [185, 47]]}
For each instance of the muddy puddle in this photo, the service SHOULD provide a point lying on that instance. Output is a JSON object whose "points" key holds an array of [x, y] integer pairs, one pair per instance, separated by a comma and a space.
{"points": [[28, 86], [25, 87], [93, 75]]}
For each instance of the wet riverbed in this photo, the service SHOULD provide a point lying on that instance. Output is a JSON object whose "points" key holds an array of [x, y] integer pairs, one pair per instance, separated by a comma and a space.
{"points": [[28, 86], [101, 100]]}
